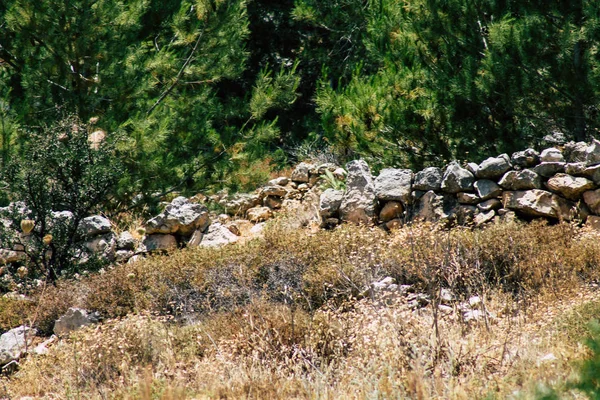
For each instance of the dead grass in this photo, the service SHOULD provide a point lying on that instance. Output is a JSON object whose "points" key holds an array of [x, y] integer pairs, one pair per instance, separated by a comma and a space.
{"points": [[283, 317]]}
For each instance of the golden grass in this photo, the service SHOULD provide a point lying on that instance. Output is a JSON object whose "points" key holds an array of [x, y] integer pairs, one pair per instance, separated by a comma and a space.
{"points": [[283, 317]]}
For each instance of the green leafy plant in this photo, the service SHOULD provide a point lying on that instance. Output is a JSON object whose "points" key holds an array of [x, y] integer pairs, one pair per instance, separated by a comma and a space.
{"points": [[59, 178], [331, 182]]}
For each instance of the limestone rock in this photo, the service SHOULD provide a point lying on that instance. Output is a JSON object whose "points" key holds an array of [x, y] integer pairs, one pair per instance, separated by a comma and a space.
{"points": [[359, 201], [537, 203], [122, 256], [301, 172], [74, 319], [126, 241], [94, 225], [259, 214], [330, 202], [552, 155], [103, 246], [433, 207], [428, 179], [467, 198], [548, 169], [570, 187], [521, 180], [526, 158], [394, 185], [487, 189], [281, 181], [195, 239], [391, 210], [491, 204], [555, 139], [457, 179], [484, 217], [493, 167], [180, 217], [239, 203], [273, 190], [592, 200], [593, 153], [218, 235], [14, 343], [158, 241], [575, 152], [472, 167]]}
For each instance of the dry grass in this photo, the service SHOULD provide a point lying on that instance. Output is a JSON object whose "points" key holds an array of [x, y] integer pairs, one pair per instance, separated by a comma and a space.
{"points": [[283, 317]]}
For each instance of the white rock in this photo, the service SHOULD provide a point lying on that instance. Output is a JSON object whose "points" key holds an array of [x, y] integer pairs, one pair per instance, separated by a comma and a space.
{"points": [[15, 343]]}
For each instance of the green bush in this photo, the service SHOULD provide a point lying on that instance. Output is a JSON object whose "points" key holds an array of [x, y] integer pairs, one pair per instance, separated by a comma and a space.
{"points": [[59, 178]]}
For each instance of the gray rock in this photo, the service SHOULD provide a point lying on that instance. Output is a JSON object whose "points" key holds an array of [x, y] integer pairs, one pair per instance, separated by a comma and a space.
{"points": [[592, 200], [457, 179], [94, 225], [281, 181], [526, 158], [569, 186], [537, 203], [15, 343], [428, 179], [74, 319], [555, 139], [552, 155], [472, 167], [330, 202], [394, 185], [180, 217], [126, 241], [122, 256], [273, 190], [433, 208], [259, 214], [103, 246], [158, 241], [593, 153], [301, 173], [487, 189], [467, 198], [521, 180], [484, 217], [359, 201], [239, 203], [491, 204], [218, 235], [548, 169], [493, 167], [575, 152]]}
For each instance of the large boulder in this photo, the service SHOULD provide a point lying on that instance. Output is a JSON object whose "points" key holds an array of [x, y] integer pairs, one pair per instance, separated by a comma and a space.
{"points": [[74, 319], [457, 179], [15, 343], [94, 225], [330, 202], [428, 179], [359, 201], [537, 203], [181, 217], [525, 179], [526, 158], [487, 189], [494, 167], [394, 185], [569, 186], [218, 235]]}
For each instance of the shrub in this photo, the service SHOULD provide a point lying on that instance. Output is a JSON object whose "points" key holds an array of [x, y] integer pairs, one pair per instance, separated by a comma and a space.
{"points": [[59, 178]]}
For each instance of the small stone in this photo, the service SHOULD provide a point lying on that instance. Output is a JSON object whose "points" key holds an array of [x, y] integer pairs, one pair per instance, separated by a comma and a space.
{"points": [[391, 210], [281, 181], [301, 172], [484, 217], [259, 214], [467, 198], [217, 236], [526, 158], [491, 204], [126, 241]]}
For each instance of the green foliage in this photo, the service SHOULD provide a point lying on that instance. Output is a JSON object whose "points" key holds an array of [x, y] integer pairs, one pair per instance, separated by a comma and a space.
{"points": [[330, 181], [60, 178], [588, 381]]}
